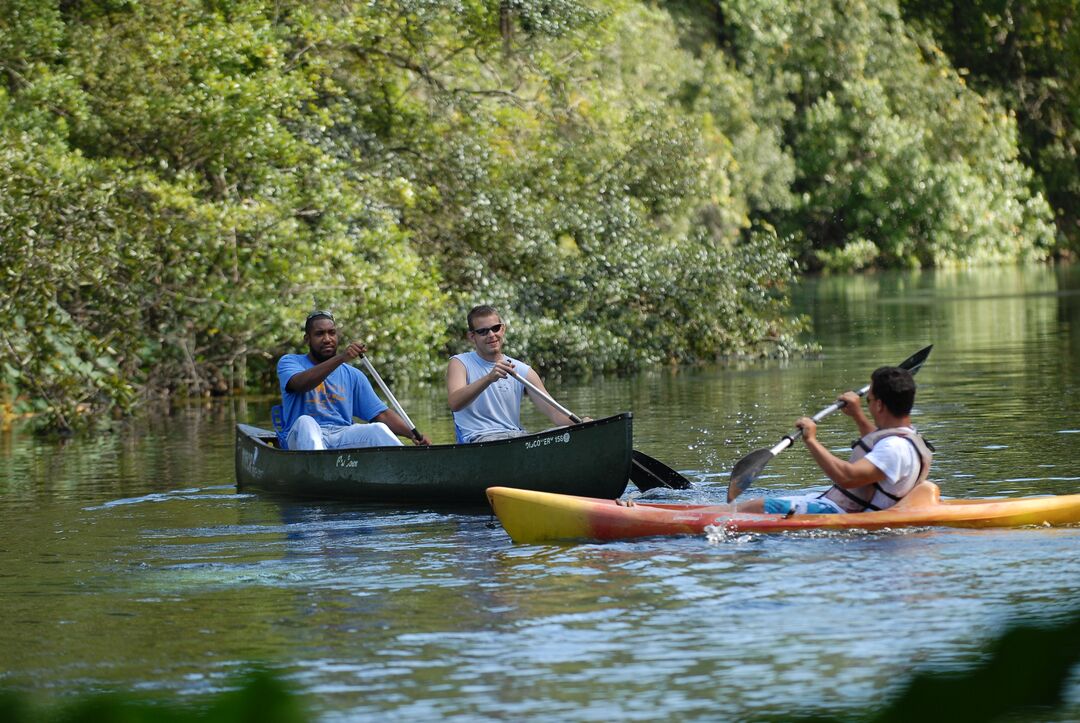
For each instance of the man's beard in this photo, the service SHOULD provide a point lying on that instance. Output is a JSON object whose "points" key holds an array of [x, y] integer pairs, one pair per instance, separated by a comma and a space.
{"points": [[319, 356]]}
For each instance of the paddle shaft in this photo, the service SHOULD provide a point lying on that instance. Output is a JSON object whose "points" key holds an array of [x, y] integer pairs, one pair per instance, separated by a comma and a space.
{"points": [[546, 397], [790, 439], [392, 399], [645, 472]]}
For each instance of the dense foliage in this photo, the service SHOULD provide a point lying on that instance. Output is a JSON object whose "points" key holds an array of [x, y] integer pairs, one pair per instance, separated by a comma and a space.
{"points": [[1028, 54], [898, 162], [631, 183]]}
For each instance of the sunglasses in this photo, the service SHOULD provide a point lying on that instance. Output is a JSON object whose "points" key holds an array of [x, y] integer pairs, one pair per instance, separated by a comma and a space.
{"points": [[484, 331]]}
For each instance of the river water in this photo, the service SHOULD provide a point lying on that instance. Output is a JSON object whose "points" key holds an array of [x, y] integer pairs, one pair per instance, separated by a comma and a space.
{"points": [[129, 562]]}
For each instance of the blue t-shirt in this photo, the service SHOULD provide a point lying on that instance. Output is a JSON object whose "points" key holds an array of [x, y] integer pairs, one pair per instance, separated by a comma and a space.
{"points": [[344, 394]]}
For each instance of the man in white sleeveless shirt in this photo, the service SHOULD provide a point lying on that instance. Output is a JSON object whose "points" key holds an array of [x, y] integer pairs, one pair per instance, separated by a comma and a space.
{"points": [[889, 459], [485, 399]]}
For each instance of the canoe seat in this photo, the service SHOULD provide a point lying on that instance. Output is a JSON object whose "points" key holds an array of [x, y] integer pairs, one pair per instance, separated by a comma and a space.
{"points": [[924, 494]]}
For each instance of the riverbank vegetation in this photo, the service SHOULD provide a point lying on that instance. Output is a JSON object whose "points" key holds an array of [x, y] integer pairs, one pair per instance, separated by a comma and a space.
{"points": [[632, 183]]}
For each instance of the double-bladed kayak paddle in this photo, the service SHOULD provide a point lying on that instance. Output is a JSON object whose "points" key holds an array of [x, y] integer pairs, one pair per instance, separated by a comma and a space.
{"points": [[750, 466]]}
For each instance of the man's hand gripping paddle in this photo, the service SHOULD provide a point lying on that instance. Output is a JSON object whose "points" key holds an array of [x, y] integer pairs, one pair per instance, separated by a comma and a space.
{"points": [[750, 466], [645, 472]]}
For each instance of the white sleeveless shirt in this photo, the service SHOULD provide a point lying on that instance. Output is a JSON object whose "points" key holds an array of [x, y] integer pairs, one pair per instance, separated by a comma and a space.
{"points": [[497, 408]]}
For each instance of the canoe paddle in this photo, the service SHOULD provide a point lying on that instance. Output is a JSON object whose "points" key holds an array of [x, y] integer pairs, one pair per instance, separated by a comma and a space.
{"points": [[391, 398], [645, 472], [748, 468]]}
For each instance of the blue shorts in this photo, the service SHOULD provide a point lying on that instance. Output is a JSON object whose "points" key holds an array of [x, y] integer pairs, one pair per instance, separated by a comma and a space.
{"points": [[805, 505]]}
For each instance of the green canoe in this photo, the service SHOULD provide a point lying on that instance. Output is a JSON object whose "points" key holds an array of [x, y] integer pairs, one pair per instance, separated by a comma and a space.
{"points": [[591, 459]]}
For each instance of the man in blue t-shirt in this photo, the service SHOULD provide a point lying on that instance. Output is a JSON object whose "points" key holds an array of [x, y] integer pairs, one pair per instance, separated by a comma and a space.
{"points": [[321, 393]]}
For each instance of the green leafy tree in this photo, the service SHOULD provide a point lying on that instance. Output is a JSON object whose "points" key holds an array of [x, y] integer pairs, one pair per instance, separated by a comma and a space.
{"points": [[1027, 54], [572, 183], [169, 217], [182, 179], [899, 162]]}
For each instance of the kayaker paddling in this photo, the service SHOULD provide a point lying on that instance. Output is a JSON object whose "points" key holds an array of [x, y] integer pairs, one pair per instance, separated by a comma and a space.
{"points": [[889, 459]]}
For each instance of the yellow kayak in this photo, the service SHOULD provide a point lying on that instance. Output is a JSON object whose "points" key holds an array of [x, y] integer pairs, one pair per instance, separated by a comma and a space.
{"points": [[530, 516]]}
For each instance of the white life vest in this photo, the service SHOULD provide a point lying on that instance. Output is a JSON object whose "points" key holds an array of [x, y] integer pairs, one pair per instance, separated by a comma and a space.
{"points": [[874, 497]]}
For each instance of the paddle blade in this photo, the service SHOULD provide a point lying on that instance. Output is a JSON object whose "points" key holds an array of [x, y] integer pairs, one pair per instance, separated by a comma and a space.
{"points": [[746, 470], [647, 473], [916, 360]]}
